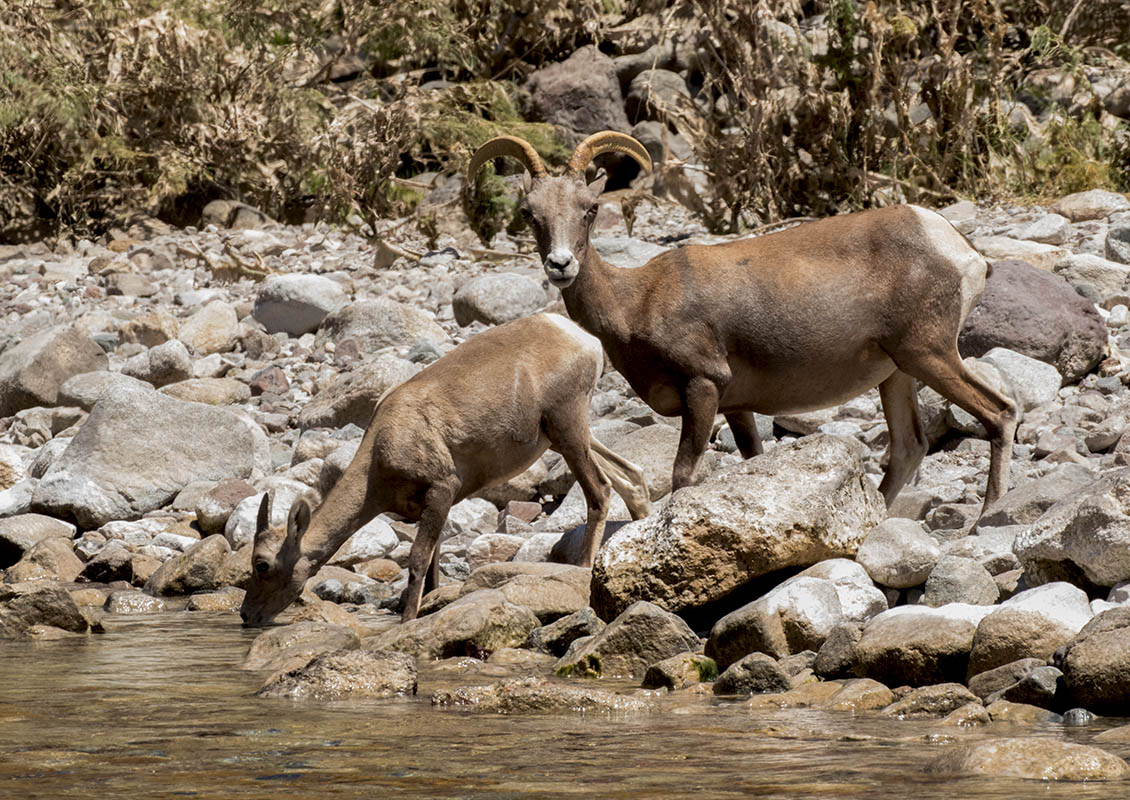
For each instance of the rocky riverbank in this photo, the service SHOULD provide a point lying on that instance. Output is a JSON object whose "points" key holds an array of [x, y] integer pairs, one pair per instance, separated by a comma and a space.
{"points": [[156, 382]]}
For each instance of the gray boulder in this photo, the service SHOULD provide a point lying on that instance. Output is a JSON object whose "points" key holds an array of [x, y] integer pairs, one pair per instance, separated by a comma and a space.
{"points": [[955, 579], [898, 553], [84, 390], [381, 323], [1037, 314], [756, 673], [1084, 537], [297, 303], [498, 297], [580, 95], [32, 371], [643, 635], [1031, 624], [20, 533], [796, 505], [197, 569], [1096, 664], [1117, 245], [353, 395], [1092, 204], [290, 647], [138, 449], [1107, 278], [1026, 503], [1032, 758]]}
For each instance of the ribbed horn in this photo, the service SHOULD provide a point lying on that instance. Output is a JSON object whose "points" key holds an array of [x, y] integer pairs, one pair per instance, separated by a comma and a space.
{"points": [[607, 142], [512, 146]]}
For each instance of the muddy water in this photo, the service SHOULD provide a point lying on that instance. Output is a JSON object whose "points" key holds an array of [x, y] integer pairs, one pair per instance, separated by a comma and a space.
{"points": [[158, 708]]}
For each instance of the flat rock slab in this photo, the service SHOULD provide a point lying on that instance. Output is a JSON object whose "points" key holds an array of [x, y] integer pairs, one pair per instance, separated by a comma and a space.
{"points": [[532, 695], [1032, 758], [346, 675]]}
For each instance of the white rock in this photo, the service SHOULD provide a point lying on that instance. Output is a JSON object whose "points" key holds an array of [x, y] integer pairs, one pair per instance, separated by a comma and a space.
{"points": [[1094, 204], [999, 248], [1048, 229], [898, 553], [375, 539], [1033, 382], [297, 303], [1064, 604], [1108, 278]]}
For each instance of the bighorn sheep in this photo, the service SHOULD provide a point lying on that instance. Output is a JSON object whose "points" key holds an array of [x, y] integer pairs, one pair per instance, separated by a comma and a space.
{"points": [[475, 418], [794, 321]]}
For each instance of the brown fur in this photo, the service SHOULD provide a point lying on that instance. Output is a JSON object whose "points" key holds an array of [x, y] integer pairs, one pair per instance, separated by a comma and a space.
{"points": [[473, 419], [798, 320]]}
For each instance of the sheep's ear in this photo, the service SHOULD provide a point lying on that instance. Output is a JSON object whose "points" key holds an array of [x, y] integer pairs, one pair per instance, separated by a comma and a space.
{"points": [[597, 185], [263, 519], [527, 182], [299, 518]]}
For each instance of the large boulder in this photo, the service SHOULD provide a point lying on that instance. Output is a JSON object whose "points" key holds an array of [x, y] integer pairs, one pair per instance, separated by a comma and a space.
{"points": [[1026, 503], [85, 389], [354, 394], [794, 506], [551, 591], [476, 624], [1037, 314], [1085, 537], [25, 606], [1105, 278], [643, 635], [290, 647], [32, 372], [795, 616], [898, 553], [1092, 204], [1096, 664], [139, 448], [297, 303], [498, 297], [20, 533], [381, 323], [1033, 758], [197, 569], [212, 329], [1031, 624], [580, 95], [917, 645]]}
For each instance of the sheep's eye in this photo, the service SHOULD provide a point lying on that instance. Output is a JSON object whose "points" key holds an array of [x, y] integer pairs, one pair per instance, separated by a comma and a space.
{"points": [[262, 567], [590, 213], [527, 215]]}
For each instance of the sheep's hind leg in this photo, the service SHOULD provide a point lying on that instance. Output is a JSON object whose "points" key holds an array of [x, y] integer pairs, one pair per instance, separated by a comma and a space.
{"points": [[904, 428], [423, 557]]}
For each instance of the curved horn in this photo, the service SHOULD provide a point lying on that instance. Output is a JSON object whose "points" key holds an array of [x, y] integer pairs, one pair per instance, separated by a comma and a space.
{"points": [[511, 146], [607, 142]]}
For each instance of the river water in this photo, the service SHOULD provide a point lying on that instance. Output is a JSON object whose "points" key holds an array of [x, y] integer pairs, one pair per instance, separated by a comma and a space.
{"points": [[158, 707]]}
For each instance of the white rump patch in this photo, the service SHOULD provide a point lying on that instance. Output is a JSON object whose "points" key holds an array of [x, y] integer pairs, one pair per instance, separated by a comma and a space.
{"points": [[955, 249], [585, 340]]}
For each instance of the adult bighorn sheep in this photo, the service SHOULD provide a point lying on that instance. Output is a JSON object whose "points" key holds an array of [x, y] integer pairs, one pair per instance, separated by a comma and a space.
{"points": [[795, 321], [478, 416]]}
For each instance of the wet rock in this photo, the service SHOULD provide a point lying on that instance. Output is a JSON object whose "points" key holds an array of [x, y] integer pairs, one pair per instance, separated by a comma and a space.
{"points": [[32, 371], [917, 645], [681, 671], [138, 449], [1032, 624], [1083, 537], [346, 675], [765, 514], [1119, 735], [1093, 204], [556, 637], [498, 297], [860, 694], [84, 390], [1039, 315], [133, 602], [960, 580], [24, 606], [753, 674], [643, 635], [967, 716], [898, 553], [1020, 713], [833, 660], [1096, 664], [1035, 758], [931, 701], [227, 599], [377, 323], [292, 646], [812, 693], [353, 395], [530, 695], [212, 329], [994, 680], [297, 303], [195, 570], [475, 624], [580, 95], [20, 533], [1038, 688], [797, 615]]}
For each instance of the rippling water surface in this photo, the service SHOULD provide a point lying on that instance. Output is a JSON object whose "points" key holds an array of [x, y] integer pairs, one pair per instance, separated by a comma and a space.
{"points": [[158, 708]]}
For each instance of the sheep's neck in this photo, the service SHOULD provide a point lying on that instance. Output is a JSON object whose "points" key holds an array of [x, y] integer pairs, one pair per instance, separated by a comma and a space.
{"points": [[597, 298], [351, 503]]}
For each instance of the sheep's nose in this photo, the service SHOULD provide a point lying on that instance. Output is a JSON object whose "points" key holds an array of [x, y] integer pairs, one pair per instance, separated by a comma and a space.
{"points": [[558, 261]]}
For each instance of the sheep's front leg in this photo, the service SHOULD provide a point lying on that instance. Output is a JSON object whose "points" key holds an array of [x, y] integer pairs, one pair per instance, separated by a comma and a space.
{"points": [[425, 549], [700, 404]]}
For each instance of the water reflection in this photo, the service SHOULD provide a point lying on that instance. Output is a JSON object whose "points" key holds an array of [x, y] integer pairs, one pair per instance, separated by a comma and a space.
{"points": [[158, 707]]}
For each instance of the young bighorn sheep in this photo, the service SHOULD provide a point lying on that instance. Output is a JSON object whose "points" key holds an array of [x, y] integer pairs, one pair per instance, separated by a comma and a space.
{"points": [[795, 321], [475, 418]]}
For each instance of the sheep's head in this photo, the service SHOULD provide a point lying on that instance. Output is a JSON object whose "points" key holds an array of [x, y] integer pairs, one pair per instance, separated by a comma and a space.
{"points": [[278, 568], [561, 209]]}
